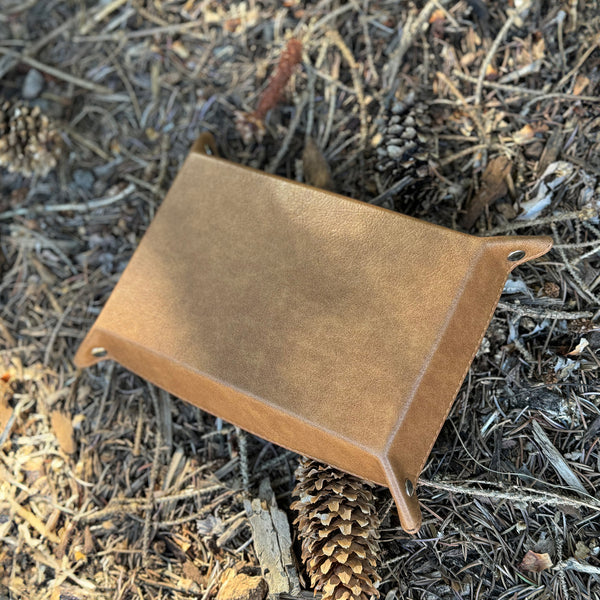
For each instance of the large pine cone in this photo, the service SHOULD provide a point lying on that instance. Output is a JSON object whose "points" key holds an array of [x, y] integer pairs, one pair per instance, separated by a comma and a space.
{"points": [[338, 526], [28, 143]]}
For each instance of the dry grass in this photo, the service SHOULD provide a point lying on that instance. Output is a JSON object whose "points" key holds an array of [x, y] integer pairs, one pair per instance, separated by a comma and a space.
{"points": [[137, 495]]}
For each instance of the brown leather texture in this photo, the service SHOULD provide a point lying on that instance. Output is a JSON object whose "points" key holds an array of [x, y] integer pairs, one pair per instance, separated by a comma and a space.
{"points": [[337, 329]]}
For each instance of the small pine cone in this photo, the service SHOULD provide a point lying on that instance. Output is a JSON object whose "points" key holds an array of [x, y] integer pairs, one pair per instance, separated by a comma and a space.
{"points": [[338, 526], [29, 144], [405, 151], [404, 138]]}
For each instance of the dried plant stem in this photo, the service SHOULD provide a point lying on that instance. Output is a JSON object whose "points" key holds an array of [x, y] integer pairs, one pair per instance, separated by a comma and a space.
{"points": [[523, 91], [336, 38], [243, 448], [383, 198], [472, 112], [494, 48], [409, 33], [543, 313], [574, 274], [151, 485], [572, 564], [43, 41], [584, 214], [580, 62], [331, 16], [141, 33], [272, 167], [36, 64], [71, 207], [514, 495], [101, 15]]}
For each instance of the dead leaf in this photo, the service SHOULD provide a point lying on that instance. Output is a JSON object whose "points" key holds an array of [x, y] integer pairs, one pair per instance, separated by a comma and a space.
{"points": [[583, 344], [493, 187], [491, 72], [152, 134], [437, 15], [63, 430], [316, 169], [524, 134], [538, 47], [6, 410], [553, 147], [209, 526], [528, 132], [582, 551], [34, 467], [535, 562], [179, 49], [581, 82], [438, 23]]}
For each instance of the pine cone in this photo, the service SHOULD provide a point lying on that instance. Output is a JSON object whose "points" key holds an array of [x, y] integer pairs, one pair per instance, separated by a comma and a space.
{"points": [[338, 525], [404, 137], [28, 143]]}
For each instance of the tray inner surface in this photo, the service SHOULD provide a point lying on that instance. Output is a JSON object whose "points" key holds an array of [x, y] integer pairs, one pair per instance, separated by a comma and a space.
{"points": [[326, 325]]}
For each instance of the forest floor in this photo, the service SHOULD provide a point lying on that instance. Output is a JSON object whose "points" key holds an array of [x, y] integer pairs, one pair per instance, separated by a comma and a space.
{"points": [[479, 116]]}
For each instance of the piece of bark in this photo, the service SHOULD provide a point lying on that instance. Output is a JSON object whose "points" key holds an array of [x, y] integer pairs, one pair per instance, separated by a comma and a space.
{"points": [[493, 187], [191, 571], [551, 151], [243, 587], [558, 463], [272, 542], [535, 562], [316, 170]]}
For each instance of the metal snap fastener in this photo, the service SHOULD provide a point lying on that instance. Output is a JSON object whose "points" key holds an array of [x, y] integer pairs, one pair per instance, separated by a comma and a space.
{"points": [[516, 255]]}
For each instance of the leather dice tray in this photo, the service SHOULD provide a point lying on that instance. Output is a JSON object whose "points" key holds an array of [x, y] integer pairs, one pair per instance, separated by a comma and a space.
{"points": [[331, 327]]}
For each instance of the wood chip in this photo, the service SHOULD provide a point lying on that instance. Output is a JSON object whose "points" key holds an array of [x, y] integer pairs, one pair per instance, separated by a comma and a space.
{"points": [[272, 542], [191, 571], [31, 519], [63, 430], [243, 587]]}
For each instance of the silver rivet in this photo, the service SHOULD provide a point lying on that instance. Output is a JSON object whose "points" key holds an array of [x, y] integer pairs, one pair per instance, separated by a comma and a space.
{"points": [[410, 488], [99, 352], [516, 255]]}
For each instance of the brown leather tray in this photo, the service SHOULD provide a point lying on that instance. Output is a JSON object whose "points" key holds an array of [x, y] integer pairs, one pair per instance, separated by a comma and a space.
{"points": [[329, 326]]}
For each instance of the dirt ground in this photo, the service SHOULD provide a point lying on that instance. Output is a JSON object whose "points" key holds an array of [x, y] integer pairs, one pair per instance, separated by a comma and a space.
{"points": [[480, 116]]}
